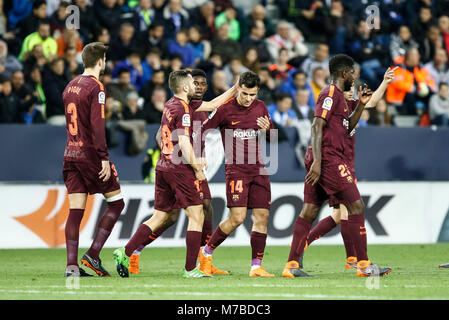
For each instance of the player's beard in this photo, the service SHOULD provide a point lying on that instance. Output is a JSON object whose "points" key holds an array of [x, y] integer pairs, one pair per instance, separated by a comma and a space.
{"points": [[191, 94], [348, 85]]}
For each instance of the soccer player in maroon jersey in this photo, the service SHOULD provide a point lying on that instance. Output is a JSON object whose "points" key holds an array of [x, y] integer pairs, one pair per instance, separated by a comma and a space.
{"points": [[328, 173], [200, 82], [87, 168], [242, 120], [179, 174], [340, 213]]}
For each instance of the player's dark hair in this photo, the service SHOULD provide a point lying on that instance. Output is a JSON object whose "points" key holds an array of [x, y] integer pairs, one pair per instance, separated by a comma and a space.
{"points": [[339, 63], [93, 52], [249, 79], [198, 73], [177, 78]]}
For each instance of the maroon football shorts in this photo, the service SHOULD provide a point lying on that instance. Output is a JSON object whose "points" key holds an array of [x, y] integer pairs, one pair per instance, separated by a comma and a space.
{"points": [[175, 190], [334, 201], [336, 184], [251, 192], [205, 189], [82, 177]]}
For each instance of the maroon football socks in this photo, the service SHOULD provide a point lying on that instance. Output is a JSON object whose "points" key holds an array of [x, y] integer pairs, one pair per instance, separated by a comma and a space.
{"points": [[300, 233], [142, 233], [193, 243], [322, 228], [207, 232], [258, 242], [72, 229], [356, 226], [346, 235], [105, 226], [215, 240]]}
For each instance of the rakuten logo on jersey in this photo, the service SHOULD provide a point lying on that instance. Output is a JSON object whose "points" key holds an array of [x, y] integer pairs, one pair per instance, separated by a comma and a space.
{"points": [[245, 134]]}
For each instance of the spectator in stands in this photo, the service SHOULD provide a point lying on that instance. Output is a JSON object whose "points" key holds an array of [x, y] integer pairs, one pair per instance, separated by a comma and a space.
{"points": [[369, 52], [303, 107], [400, 43], [134, 65], [229, 16], [145, 13], [36, 114], [379, 115], [218, 85], [279, 70], [201, 47], [430, 44], [20, 10], [155, 106], [283, 39], [58, 19], [41, 36], [308, 16], [439, 106], [88, 22], [339, 26], [69, 38], [158, 81], [112, 110], [298, 80], [152, 62], [175, 64], [181, 46], [439, 68], [34, 57], [267, 86], [72, 66], [204, 17], [410, 89], [256, 39], [281, 111], [9, 103], [259, 14], [122, 45], [108, 14], [155, 39], [175, 18], [8, 62], [233, 69], [224, 46], [26, 97], [443, 24], [54, 83], [421, 24], [251, 59], [320, 58], [318, 81], [31, 23], [132, 111], [120, 89]]}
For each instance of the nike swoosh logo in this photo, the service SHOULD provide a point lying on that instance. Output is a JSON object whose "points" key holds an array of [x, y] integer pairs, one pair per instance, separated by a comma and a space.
{"points": [[235, 122]]}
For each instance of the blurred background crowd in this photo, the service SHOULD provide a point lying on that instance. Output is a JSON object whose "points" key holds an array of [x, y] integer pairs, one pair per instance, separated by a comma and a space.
{"points": [[287, 42]]}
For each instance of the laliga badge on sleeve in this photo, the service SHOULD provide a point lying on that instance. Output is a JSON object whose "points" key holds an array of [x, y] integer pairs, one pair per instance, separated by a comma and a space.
{"points": [[101, 97], [186, 120], [327, 104]]}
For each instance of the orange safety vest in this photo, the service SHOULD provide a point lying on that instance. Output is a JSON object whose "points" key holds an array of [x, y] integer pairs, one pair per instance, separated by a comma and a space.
{"points": [[404, 81]]}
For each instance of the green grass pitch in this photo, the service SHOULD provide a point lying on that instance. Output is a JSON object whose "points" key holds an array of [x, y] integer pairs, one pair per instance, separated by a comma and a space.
{"points": [[38, 274]]}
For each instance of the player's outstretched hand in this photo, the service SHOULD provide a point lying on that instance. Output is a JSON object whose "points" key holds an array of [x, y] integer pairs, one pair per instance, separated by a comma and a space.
{"points": [[365, 94], [105, 172], [200, 175], [389, 75], [263, 123], [314, 173]]}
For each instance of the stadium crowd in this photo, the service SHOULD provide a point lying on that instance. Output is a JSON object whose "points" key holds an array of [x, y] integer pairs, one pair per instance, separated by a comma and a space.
{"points": [[287, 42]]}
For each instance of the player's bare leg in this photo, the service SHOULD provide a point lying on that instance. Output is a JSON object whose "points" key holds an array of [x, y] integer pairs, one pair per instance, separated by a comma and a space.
{"points": [[91, 258], [303, 224], [258, 242], [356, 226], [77, 204], [236, 217]]}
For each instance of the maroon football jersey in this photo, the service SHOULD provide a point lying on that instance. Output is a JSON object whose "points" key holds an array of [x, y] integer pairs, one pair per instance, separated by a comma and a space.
{"points": [[350, 139], [198, 140], [84, 98], [176, 120], [331, 106], [238, 125]]}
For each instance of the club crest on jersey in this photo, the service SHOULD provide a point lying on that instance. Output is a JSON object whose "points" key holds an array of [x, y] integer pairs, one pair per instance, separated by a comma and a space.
{"points": [[101, 97], [186, 120], [235, 197], [327, 104]]}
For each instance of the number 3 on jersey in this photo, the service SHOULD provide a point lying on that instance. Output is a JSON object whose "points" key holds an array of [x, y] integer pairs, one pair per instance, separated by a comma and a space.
{"points": [[73, 125]]}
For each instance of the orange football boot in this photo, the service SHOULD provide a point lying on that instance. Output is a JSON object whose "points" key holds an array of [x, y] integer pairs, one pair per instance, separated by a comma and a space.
{"points": [[134, 263], [260, 272]]}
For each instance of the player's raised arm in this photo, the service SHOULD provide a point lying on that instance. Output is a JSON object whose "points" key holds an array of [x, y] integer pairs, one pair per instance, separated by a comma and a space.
{"points": [[380, 91], [218, 101], [365, 95]]}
